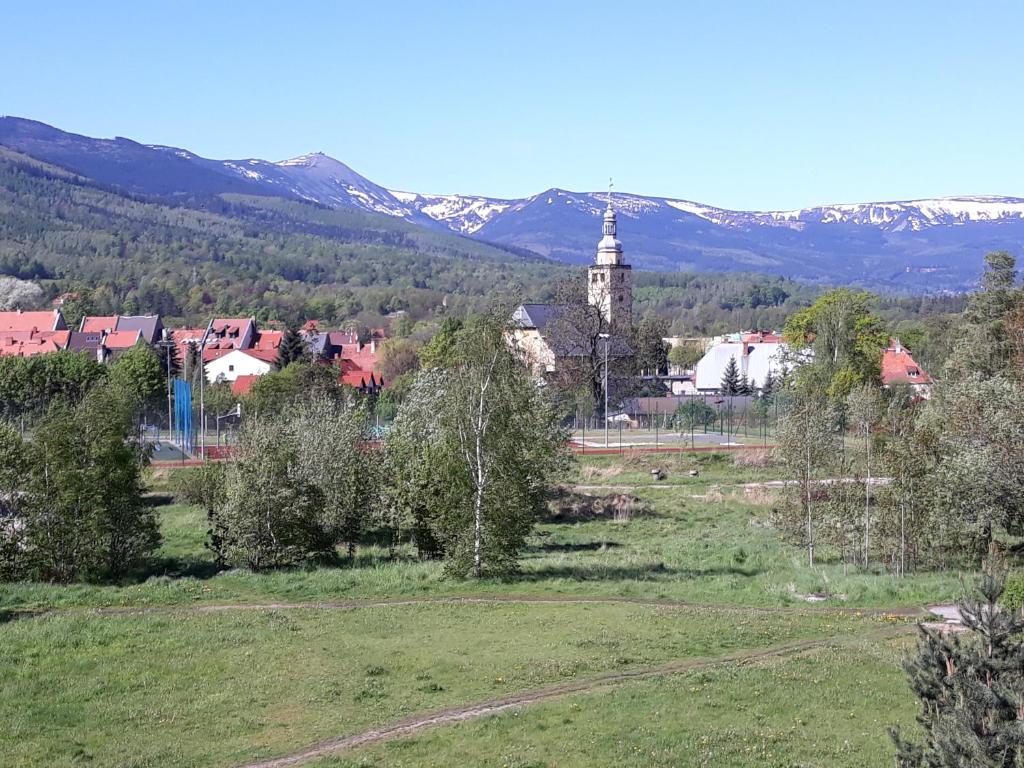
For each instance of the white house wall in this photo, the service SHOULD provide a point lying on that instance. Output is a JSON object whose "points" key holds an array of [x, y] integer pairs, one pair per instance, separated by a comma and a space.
{"points": [[234, 364]]}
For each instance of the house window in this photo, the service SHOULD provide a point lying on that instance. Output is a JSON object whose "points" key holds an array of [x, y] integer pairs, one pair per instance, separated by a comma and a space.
{"points": [[594, 278], [231, 367]]}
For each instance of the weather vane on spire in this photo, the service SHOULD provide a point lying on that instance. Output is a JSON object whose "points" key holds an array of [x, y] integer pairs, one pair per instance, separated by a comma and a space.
{"points": [[610, 185]]}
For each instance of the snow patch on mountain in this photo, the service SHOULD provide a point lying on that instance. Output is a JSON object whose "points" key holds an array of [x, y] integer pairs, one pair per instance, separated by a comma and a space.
{"points": [[915, 215], [465, 214]]}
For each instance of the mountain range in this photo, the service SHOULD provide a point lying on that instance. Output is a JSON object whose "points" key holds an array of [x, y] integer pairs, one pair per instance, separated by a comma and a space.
{"points": [[913, 245]]}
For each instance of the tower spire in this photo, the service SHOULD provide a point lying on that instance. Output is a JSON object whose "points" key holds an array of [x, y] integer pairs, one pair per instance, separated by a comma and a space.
{"points": [[609, 280]]}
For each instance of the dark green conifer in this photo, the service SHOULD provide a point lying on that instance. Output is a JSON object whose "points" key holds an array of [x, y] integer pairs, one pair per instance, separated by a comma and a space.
{"points": [[971, 688], [731, 382], [292, 349]]}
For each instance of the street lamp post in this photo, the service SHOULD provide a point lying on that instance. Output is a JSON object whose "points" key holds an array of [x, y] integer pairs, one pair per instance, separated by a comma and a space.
{"points": [[606, 337]]}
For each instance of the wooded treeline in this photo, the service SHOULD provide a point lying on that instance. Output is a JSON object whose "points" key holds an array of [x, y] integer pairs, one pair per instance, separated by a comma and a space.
{"points": [[951, 454]]}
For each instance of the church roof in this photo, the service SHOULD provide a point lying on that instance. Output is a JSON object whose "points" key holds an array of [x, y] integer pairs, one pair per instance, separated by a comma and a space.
{"points": [[537, 316], [564, 338]]}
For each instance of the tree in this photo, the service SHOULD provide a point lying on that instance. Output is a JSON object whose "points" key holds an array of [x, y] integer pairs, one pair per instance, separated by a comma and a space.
{"points": [[903, 502], [438, 350], [805, 444], [30, 385], [693, 413], [137, 371], [583, 342], [491, 436], [976, 427], [278, 390], [270, 514], [18, 294], [985, 340], [292, 349], [331, 457], [970, 687], [651, 351], [864, 407], [13, 469], [685, 356], [83, 514], [204, 487], [419, 489], [838, 342], [731, 382], [165, 351], [398, 357]]}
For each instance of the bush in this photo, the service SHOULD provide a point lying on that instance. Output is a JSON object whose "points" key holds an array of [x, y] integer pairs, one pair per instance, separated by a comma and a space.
{"points": [[1013, 595]]}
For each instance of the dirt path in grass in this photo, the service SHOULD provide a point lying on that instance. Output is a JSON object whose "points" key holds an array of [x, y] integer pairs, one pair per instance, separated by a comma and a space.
{"points": [[506, 599], [765, 484], [451, 715]]}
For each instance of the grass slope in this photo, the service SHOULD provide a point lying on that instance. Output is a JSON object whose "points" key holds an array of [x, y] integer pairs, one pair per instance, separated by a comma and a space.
{"points": [[188, 680], [828, 707], [123, 690]]}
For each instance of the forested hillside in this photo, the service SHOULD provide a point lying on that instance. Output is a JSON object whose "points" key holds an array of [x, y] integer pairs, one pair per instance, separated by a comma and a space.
{"points": [[280, 259], [243, 255]]}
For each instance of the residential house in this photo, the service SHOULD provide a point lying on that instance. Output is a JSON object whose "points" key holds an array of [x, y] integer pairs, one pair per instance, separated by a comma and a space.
{"points": [[900, 368], [150, 327], [224, 335], [232, 363]]}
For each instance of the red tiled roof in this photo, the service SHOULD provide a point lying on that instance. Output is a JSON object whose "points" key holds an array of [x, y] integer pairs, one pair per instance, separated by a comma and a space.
{"points": [[899, 367], [357, 379], [29, 343], [243, 384], [122, 339], [266, 355], [222, 325], [361, 379], [98, 324], [267, 339], [30, 321], [181, 338]]}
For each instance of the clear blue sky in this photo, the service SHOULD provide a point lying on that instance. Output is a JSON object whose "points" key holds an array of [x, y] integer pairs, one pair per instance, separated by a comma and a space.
{"points": [[740, 104]]}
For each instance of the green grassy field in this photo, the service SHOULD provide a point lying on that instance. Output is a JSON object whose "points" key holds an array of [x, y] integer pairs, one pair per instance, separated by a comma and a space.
{"points": [[706, 541], [824, 708], [190, 677], [244, 684]]}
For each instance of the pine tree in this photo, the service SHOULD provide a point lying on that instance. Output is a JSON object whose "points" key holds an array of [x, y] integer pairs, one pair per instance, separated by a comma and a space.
{"points": [[971, 688], [163, 351], [731, 378], [292, 349]]}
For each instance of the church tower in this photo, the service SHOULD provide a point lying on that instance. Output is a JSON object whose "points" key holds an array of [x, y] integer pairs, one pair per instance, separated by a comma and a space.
{"points": [[609, 279]]}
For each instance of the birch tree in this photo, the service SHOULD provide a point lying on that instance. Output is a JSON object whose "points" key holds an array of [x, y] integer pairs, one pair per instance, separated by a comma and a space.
{"points": [[493, 443], [805, 445], [863, 410]]}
